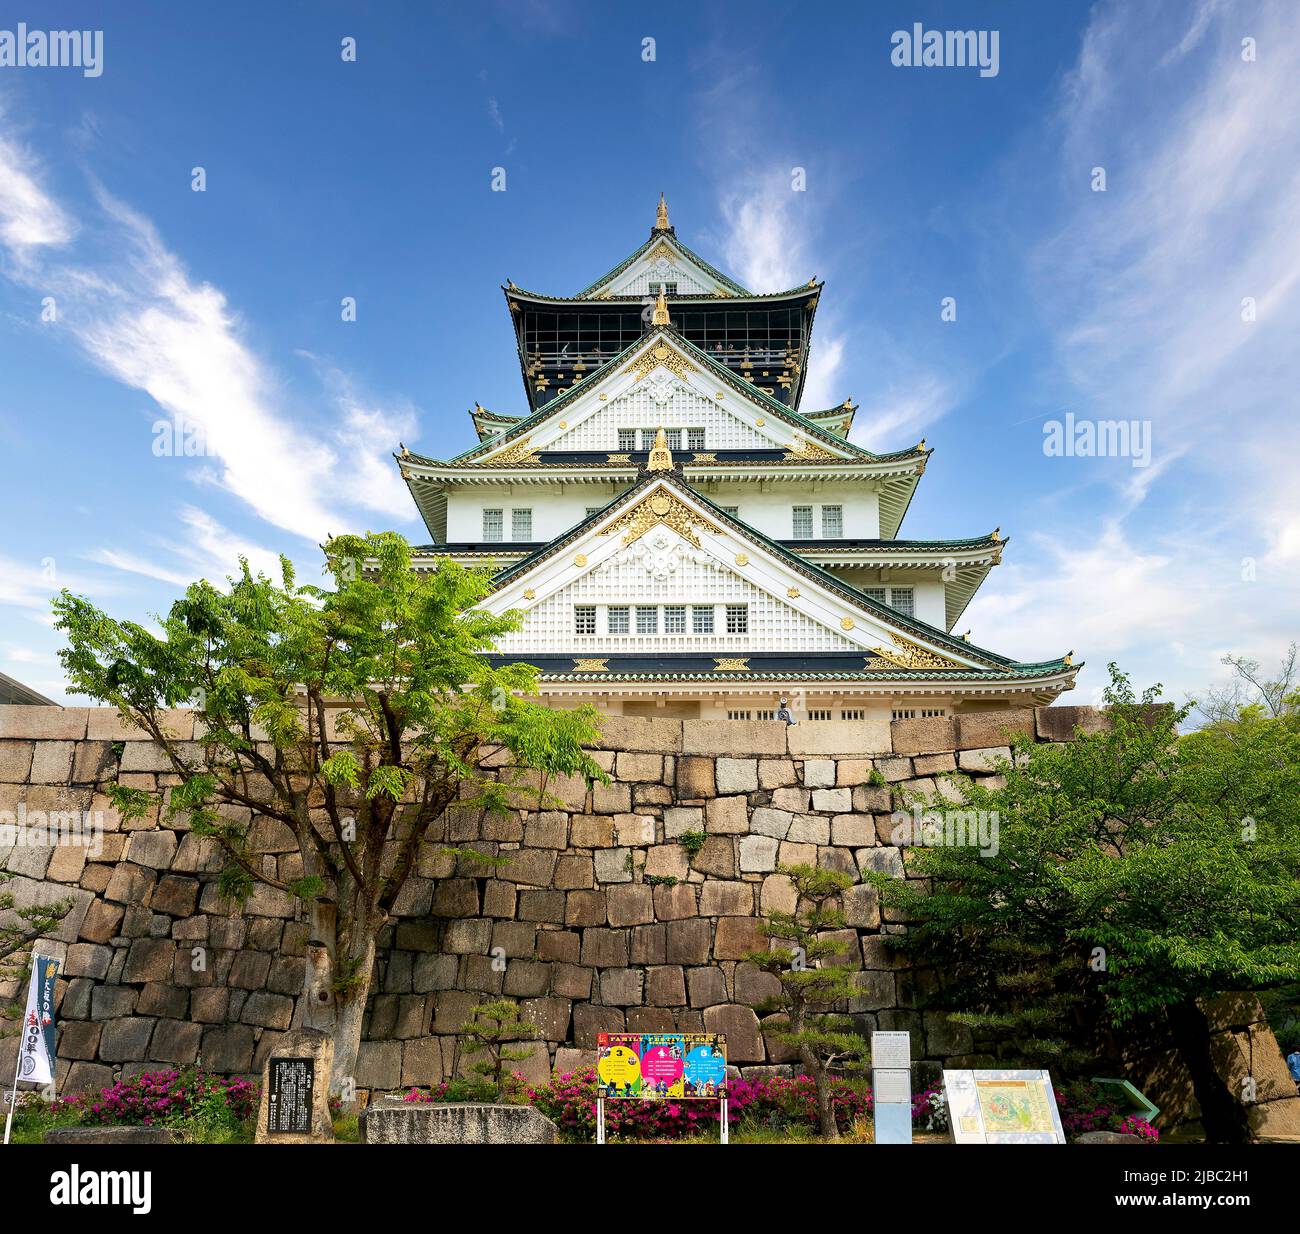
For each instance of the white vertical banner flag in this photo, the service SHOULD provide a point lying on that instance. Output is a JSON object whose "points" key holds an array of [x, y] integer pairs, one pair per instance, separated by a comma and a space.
{"points": [[36, 1062], [36, 1049]]}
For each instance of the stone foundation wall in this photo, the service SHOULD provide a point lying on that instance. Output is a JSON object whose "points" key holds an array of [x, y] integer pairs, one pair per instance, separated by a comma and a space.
{"points": [[600, 921]]}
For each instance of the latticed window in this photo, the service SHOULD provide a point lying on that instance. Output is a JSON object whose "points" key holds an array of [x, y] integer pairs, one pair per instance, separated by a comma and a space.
{"points": [[647, 619], [493, 525], [737, 619], [853, 713], [932, 713], [674, 437], [675, 619], [875, 593], [903, 713], [627, 440], [732, 510], [618, 619], [832, 522], [702, 619], [738, 715], [765, 715], [695, 439], [648, 439], [802, 529], [521, 524], [900, 599], [816, 714], [584, 619]]}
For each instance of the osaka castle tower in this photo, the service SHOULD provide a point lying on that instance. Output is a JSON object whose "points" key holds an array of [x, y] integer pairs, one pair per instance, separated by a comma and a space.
{"points": [[684, 538]]}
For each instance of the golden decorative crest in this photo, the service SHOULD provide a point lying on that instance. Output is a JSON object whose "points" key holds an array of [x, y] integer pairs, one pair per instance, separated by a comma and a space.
{"points": [[661, 354], [704, 457], [907, 654], [846, 623], [792, 592], [530, 594], [660, 315], [742, 559], [580, 560], [520, 451], [801, 450], [658, 507], [663, 251], [661, 214], [661, 457], [618, 458], [593, 665], [729, 664]]}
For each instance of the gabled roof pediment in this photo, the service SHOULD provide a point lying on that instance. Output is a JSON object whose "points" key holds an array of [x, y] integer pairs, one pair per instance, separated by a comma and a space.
{"points": [[667, 366], [662, 525]]}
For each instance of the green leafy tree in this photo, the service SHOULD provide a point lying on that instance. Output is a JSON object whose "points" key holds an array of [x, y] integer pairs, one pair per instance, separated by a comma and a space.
{"points": [[492, 1030], [23, 925], [1136, 873], [802, 956], [354, 714]]}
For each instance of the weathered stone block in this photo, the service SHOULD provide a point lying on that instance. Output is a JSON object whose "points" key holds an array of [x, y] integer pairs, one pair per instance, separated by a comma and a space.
{"points": [[736, 775], [629, 766], [809, 829], [727, 816], [841, 737], [862, 906], [1058, 723], [611, 798], [150, 959], [737, 937], [735, 738], [981, 729], [632, 904], [613, 865], [726, 899], [176, 1041], [695, 778], [925, 736], [621, 987], [534, 866], [268, 1010], [983, 760], [641, 733], [716, 856], [740, 1024], [605, 948], [572, 872], [681, 819], [401, 1122], [585, 908], [125, 1039], [688, 941], [853, 830], [674, 902], [757, 854]]}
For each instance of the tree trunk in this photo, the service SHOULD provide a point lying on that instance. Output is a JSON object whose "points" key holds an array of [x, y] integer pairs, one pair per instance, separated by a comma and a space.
{"points": [[351, 1009], [1222, 1115], [822, 1082]]}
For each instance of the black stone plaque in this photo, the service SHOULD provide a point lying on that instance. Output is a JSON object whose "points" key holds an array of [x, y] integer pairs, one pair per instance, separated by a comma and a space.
{"points": [[289, 1100]]}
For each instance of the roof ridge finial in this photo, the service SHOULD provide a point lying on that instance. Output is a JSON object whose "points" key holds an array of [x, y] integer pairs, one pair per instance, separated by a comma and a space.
{"points": [[661, 457], [661, 214], [660, 315]]}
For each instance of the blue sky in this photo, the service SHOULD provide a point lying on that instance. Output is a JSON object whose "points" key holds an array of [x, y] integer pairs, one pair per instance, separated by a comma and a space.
{"points": [[372, 179]]}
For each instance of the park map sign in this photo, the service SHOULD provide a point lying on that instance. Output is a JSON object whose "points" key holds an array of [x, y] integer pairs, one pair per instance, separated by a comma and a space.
{"points": [[661, 1066]]}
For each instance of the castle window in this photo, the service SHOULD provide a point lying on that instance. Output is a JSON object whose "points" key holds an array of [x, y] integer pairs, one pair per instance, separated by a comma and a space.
{"points": [[737, 619], [521, 524], [675, 619], [674, 436], [695, 439], [647, 619], [803, 523], [618, 619], [702, 619], [626, 440], [903, 713], [493, 525], [932, 713], [818, 714], [853, 713], [900, 599], [832, 522], [738, 715], [584, 619]]}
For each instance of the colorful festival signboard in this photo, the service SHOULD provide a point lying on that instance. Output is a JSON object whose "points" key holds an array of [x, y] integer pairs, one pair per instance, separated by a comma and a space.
{"points": [[661, 1066]]}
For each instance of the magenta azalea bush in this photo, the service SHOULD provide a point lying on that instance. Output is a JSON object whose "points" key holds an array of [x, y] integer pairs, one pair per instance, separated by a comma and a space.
{"points": [[1085, 1106], [774, 1102], [159, 1097]]}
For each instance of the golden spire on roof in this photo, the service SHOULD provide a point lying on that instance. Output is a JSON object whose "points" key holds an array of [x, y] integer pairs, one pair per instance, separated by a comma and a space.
{"points": [[660, 315], [661, 457], [661, 214]]}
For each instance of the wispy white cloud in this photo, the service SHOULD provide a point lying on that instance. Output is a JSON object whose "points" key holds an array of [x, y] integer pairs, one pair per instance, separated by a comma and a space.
{"points": [[137, 312], [29, 216]]}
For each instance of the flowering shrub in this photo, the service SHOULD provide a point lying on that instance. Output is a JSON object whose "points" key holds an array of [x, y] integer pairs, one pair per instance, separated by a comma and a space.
{"points": [[1085, 1106], [165, 1097], [776, 1103], [455, 1090]]}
